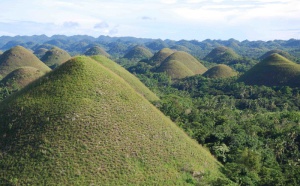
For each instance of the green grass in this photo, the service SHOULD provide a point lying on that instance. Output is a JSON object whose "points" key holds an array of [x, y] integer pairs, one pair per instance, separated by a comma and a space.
{"points": [[127, 76], [280, 52], [96, 50], [220, 71], [274, 70], [40, 52], [181, 64], [222, 55], [55, 57], [18, 57], [81, 124], [160, 56], [21, 77], [138, 52]]}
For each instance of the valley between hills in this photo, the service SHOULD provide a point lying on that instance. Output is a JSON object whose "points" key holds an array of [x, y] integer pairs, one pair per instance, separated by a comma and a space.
{"points": [[79, 110]]}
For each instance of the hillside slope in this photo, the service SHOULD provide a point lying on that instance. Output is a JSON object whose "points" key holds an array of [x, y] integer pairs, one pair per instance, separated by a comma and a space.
{"points": [[127, 76], [274, 70], [55, 57], [96, 50], [220, 71], [72, 127], [18, 57]]}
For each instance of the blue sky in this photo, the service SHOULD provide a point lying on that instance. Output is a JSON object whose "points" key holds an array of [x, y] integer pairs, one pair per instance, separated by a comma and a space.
{"points": [[165, 19]]}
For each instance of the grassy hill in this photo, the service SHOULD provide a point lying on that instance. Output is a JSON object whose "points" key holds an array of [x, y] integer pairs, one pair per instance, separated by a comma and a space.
{"points": [[222, 55], [138, 53], [127, 76], [96, 50], [181, 64], [274, 70], [220, 71], [40, 52], [21, 77], [18, 57], [280, 52], [160, 56], [55, 57], [83, 125]]}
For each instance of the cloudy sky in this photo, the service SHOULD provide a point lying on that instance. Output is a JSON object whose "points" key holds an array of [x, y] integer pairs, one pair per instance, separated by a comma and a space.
{"points": [[165, 19]]}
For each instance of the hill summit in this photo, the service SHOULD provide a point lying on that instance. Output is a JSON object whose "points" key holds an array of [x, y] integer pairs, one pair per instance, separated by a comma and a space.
{"points": [[274, 70], [96, 50], [220, 71], [82, 124], [55, 57], [181, 64], [222, 55], [138, 53], [18, 57], [160, 56]]}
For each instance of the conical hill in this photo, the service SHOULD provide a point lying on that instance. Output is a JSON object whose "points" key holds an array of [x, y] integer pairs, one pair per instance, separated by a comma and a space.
{"points": [[21, 77], [55, 57], [220, 71], [138, 53], [280, 52], [274, 70], [222, 55], [40, 52], [187, 65], [96, 50], [18, 57], [127, 76], [83, 125], [160, 56]]}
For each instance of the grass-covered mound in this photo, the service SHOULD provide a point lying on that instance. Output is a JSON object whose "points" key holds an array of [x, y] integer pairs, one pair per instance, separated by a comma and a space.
{"points": [[138, 53], [96, 50], [55, 57], [160, 56], [180, 48], [127, 76], [21, 77], [220, 71], [274, 70], [83, 125], [18, 57], [222, 55], [280, 52], [181, 64], [40, 52]]}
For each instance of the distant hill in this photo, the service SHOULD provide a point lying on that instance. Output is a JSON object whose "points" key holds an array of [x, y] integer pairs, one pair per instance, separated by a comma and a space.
{"points": [[40, 52], [127, 76], [274, 70], [220, 71], [181, 64], [82, 124], [280, 52], [138, 53], [18, 57], [96, 50], [180, 48], [21, 77], [222, 55], [55, 57], [160, 56]]}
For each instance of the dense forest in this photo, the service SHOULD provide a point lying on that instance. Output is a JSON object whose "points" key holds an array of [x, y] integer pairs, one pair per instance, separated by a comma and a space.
{"points": [[252, 130]]}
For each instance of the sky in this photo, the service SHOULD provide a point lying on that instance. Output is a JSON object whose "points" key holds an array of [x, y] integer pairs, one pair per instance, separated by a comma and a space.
{"points": [[164, 19]]}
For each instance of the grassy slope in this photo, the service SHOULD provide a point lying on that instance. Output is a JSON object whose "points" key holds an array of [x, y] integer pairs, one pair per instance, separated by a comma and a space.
{"points": [[55, 57], [72, 127], [280, 52], [127, 76], [221, 55], [272, 71], [18, 57], [40, 52], [220, 71], [187, 60], [161, 55], [21, 77], [96, 50], [138, 52], [175, 69]]}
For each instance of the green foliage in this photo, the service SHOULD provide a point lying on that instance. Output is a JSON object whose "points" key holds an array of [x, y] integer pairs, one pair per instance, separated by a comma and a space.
{"points": [[55, 57]]}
